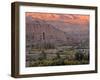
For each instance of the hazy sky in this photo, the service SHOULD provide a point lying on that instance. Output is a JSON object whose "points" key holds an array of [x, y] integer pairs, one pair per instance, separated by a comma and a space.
{"points": [[72, 18]]}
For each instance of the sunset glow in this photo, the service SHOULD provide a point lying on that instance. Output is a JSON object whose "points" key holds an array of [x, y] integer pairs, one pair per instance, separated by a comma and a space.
{"points": [[72, 18]]}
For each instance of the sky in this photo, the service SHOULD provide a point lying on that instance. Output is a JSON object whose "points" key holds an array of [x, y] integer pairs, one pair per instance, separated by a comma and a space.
{"points": [[71, 18]]}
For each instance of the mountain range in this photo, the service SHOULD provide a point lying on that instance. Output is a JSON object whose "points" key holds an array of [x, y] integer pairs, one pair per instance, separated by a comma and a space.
{"points": [[56, 32]]}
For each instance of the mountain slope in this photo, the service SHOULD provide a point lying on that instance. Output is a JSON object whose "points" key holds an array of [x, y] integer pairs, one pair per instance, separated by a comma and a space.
{"points": [[39, 31]]}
